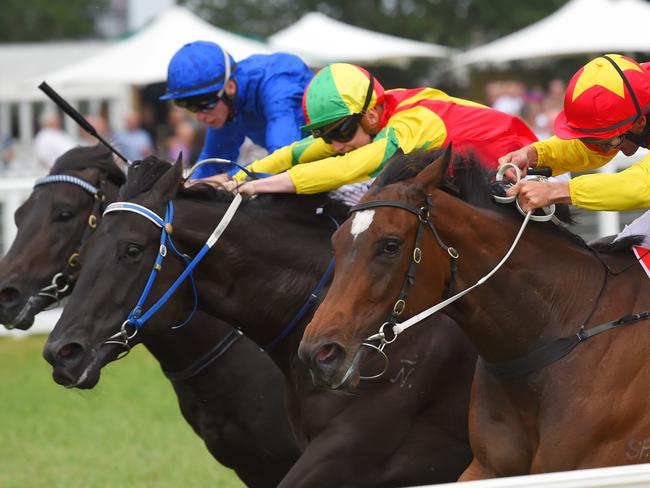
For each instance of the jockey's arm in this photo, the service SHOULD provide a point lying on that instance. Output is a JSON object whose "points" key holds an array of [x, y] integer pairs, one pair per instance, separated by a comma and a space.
{"points": [[626, 190], [565, 155], [305, 150]]}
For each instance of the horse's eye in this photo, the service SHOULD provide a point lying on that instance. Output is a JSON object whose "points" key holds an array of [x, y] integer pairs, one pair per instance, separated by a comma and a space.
{"points": [[64, 216], [133, 251], [391, 247]]}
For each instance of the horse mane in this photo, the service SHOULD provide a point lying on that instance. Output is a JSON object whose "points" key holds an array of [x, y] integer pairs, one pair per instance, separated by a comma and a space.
{"points": [[298, 208], [143, 175], [469, 180], [82, 157]]}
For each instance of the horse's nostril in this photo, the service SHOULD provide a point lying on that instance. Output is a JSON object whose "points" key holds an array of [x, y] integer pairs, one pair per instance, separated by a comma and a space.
{"points": [[69, 351], [9, 295], [326, 353]]}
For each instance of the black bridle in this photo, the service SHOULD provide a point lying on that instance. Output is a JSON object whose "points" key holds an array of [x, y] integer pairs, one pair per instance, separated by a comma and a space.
{"points": [[423, 214]]}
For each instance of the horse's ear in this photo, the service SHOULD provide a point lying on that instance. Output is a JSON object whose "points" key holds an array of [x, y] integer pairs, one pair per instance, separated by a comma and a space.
{"points": [[434, 174], [179, 162], [167, 186]]}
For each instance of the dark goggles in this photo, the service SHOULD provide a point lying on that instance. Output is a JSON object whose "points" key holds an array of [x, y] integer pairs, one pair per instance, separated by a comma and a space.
{"points": [[341, 131], [606, 144], [199, 103]]}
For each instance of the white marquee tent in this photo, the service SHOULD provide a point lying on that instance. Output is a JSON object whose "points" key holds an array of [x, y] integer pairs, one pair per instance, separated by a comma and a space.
{"points": [[143, 58], [320, 40], [579, 27]]}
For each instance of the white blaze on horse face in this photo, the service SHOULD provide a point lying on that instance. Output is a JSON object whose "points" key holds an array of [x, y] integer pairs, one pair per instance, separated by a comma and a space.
{"points": [[361, 222]]}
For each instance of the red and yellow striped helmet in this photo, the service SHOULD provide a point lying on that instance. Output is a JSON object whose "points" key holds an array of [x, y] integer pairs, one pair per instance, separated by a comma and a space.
{"points": [[604, 98], [338, 90]]}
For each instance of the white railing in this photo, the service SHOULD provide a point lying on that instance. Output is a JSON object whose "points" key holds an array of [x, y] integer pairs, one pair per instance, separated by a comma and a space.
{"points": [[13, 192], [635, 476]]}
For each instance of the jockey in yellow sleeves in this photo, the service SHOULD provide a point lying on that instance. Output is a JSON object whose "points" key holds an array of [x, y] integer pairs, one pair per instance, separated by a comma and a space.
{"points": [[357, 126], [605, 111]]}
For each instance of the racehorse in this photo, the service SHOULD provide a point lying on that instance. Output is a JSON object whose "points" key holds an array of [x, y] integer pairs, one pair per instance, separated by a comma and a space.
{"points": [[63, 209], [556, 388], [63, 212], [409, 427]]}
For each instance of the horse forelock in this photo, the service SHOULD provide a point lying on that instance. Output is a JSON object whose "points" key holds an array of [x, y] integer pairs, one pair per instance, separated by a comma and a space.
{"points": [[143, 175], [83, 157]]}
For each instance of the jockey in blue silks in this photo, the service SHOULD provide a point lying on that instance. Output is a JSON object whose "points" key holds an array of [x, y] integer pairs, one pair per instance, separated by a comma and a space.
{"points": [[259, 97]]}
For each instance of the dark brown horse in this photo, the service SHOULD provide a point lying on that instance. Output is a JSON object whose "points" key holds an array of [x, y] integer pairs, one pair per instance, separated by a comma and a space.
{"points": [[409, 427], [52, 224], [62, 210], [552, 392]]}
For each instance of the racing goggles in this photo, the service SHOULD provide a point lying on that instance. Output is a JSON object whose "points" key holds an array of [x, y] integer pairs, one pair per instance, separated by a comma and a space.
{"points": [[199, 103], [606, 144], [342, 131]]}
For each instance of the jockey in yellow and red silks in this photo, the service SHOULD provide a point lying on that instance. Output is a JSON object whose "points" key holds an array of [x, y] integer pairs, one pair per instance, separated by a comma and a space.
{"points": [[357, 126], [606, 110]]}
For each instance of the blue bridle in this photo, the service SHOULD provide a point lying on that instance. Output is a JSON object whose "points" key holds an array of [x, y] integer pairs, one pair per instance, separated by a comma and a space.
{"points": [[137, 318]]}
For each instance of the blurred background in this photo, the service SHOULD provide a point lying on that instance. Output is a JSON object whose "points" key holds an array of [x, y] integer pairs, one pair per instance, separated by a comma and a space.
{"points": [[109, 58]]}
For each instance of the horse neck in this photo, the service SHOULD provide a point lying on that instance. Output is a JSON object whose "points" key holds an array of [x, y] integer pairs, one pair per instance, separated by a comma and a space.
{"points": [[261, 272], [545, 290], [176, 349]]}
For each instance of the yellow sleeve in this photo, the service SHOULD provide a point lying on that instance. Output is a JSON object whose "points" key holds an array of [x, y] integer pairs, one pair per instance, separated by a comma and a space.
{"points": [[627, 190], [331, 173], [411, 129], [303, 151], [564, 155]]}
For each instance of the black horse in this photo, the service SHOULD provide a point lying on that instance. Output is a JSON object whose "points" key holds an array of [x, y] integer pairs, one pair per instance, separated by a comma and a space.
{"points": [[408, 427], [201, 361], [62, 210]]}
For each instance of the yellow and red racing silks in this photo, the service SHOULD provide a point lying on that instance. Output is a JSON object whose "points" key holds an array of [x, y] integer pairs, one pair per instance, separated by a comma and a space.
{"points": [[420, 118]]}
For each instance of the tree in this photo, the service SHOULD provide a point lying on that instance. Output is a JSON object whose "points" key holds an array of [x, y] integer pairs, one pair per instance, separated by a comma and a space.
{"points": [[45, 20], [459, 23]]}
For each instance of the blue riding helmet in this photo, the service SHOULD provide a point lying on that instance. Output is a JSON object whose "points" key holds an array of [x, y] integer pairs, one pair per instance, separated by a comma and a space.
{"points": [[197, 68]]}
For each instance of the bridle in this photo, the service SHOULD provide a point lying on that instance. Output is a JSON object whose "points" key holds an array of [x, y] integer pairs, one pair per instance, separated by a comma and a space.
{"points": [[423, 214], [137, 318], [63, 281]]}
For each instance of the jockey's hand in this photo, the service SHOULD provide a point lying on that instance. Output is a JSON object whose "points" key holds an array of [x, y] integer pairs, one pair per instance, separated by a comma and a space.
{"points": [[231, 185], [247, 188], [218, 181], [533, 194], [243, 187], [523, 158]]}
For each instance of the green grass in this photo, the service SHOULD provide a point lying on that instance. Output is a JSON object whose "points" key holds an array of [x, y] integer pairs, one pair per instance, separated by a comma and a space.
{"points": [[127, 432]]}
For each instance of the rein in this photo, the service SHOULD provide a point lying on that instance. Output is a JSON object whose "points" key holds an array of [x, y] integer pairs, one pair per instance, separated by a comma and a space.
{"points": [[533, 361]]}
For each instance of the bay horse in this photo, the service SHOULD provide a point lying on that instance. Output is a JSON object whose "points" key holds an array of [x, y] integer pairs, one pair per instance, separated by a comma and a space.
{"points": [[555, 387], [63, 209], [409, 427], [63, 212]]}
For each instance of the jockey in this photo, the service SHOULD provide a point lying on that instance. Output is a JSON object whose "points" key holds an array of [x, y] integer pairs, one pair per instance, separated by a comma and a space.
{"points": [[606, 109], [357, 126], [259, 98]]}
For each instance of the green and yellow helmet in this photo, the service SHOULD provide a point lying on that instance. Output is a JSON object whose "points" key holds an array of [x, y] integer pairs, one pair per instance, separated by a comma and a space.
{"points": [[337, 91]]}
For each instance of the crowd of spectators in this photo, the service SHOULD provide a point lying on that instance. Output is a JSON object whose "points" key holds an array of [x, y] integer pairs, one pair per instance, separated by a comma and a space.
{"points": [[536, 105]]}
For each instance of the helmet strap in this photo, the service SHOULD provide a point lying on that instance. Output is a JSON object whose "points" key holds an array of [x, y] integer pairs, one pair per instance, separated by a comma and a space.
{"points": [[627, 83]]}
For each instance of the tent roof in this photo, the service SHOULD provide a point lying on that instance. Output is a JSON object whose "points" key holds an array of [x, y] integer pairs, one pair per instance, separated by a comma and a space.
{"points": [[143, 57], [321, 40], [579, 27]]}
